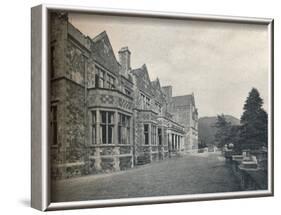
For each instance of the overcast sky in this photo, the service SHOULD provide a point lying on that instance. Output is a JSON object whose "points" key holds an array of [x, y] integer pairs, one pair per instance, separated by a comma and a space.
{"points": [[219, 62]]}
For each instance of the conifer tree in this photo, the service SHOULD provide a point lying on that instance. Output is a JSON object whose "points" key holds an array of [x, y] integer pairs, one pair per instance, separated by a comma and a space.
{"points": [[253, 122], [223, 129]]}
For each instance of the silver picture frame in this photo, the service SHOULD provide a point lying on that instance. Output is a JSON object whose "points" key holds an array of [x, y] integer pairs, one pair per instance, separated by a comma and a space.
{"points": [[40, 167]]}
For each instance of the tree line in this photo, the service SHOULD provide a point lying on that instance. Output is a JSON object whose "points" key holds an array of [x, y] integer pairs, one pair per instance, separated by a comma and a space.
{"points": [[251, 133]]}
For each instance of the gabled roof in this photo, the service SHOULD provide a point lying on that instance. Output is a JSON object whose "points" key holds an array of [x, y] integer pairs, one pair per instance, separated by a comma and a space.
{"points": [[160, 96], [103, 53], [80, 38], [142, 80], [183, 100]]}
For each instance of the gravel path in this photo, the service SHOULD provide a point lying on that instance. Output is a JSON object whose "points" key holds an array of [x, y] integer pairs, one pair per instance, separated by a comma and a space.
{"points": [[189, 174]]}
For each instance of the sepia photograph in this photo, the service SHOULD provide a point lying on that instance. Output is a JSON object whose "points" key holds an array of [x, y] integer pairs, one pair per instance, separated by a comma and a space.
{"points": [[147, 106]]}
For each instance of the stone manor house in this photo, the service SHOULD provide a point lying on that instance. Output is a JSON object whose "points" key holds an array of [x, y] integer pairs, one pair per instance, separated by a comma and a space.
{"points": [[106, 116]]}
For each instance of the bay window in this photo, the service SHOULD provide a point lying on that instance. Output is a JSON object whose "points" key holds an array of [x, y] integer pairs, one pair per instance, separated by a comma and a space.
{"points": [[103, 128]]}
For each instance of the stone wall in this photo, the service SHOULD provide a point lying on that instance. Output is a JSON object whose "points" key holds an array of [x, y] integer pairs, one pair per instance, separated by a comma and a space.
{"points": [[109, 99], [185, 113], [71, 129], [58, 41], [68, 95], [75, 63], [109, 158]]}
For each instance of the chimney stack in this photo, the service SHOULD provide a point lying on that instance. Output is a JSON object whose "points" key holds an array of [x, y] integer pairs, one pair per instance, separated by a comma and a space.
{"points": [[125, 59], [168, 91]]}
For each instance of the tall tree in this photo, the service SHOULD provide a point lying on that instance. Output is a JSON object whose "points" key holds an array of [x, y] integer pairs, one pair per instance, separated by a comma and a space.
{"points": [[223, 129], [253, 122], [234, 137]]}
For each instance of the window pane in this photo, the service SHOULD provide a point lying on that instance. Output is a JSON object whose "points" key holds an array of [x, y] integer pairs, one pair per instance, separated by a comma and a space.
{"points": [[124, 135], [101, 73], [113, 83], [145, 128], [103, 134], [123, 120], [101, 83], [94, 117], [110, 134], [128, 136], [142, 101], [119, 134], [96, 81], [127, 121], [110, 117], [93, 134], [110, 82], [152, 135], [159, 136], [146, 140], [123, 129], [103, 116]]}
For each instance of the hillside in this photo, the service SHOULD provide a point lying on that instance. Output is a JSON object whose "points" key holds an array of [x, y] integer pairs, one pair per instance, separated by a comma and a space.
{"points": [[207, 130]]}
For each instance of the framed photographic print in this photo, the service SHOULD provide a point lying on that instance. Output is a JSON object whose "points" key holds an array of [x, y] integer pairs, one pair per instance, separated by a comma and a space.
{"points": [[141, 107]]}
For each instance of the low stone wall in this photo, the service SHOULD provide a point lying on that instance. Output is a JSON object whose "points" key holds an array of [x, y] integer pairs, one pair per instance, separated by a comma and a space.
{"points": [[155, 156], [125, 163], [151, 154], [70, 170], [250, 179], [143, 159]]}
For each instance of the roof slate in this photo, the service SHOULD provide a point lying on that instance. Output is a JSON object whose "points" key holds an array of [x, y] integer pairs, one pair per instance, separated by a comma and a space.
{"points": [[102, 52], [143, 81], [183, 100]]}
